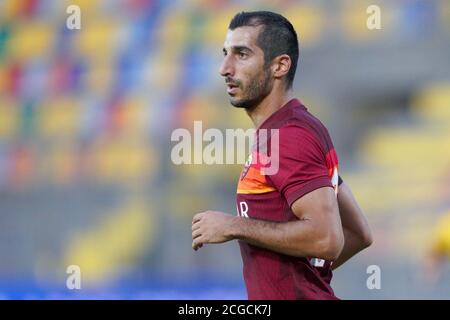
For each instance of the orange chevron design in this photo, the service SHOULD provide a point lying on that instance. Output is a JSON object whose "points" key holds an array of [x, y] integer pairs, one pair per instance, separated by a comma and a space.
{"points": [[252, 181]]}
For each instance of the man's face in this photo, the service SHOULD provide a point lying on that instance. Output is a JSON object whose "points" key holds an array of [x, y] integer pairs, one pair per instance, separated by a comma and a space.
{"points": [[248, 81]]}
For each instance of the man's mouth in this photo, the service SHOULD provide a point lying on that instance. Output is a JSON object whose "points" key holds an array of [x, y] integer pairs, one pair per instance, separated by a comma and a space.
{"points": [[232, 88]]}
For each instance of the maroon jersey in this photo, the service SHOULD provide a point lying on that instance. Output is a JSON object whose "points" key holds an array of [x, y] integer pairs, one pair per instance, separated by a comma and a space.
{"points": [[307, 161]]}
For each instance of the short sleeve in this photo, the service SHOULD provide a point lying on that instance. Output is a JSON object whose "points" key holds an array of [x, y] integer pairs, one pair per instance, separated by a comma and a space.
{"points": [[302, 164]]}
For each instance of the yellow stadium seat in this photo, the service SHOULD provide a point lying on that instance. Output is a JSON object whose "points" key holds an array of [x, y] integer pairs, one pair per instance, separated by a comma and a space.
{"points": [[124, 161], [174, 27], [167, 56], [217, 26], [31, 40], [433, 103], [89, 9], [407, 164], [9, 118], [97, 40], [400, 147], [106, 249], [59, 118], [309, 23], [384, 196]]}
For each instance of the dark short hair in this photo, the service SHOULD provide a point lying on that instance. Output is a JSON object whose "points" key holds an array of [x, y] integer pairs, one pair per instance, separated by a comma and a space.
{"points": [[277, 36]]}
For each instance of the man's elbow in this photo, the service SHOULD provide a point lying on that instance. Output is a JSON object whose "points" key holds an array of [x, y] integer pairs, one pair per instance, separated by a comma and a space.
{"points": [[366, 238], [331, 246]]}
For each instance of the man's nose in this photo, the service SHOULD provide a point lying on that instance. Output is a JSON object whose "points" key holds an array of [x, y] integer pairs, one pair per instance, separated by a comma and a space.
{"points": [[226, 69]]}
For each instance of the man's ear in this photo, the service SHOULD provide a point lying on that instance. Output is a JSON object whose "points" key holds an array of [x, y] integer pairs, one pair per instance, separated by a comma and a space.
{"points": [[281, 65]]}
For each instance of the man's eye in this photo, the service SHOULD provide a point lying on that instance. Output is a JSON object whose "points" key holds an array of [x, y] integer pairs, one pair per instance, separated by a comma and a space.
{"points": [[242, 54]]}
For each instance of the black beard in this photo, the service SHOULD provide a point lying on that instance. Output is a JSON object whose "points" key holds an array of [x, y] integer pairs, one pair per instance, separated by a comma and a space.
{"points": [[257, 91]]}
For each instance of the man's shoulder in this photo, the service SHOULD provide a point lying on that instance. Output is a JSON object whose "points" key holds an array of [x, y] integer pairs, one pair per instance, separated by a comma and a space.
{"points": [[300, 123], [299, 126], [298, 116]]}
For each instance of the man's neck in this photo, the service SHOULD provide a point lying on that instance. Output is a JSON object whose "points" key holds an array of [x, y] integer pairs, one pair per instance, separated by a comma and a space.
{"points": [[267, 107]]}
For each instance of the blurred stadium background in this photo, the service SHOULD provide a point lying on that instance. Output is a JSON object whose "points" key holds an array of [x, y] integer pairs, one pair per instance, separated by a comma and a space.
{"points": [[86, 117]]}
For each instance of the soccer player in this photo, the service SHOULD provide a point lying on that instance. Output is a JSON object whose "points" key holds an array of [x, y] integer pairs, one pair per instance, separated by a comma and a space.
{"points": [[299, 222]]}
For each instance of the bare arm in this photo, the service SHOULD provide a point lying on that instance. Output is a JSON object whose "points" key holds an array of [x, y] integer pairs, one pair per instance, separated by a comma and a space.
{"points": [[316, 233], [357, 233]]}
